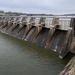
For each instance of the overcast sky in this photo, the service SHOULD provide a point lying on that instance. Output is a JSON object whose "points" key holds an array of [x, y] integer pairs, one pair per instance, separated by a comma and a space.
{"points": [[39, 6]]}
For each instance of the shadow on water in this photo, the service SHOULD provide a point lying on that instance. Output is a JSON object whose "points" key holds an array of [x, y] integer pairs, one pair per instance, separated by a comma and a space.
{"points": [[18, 57]]}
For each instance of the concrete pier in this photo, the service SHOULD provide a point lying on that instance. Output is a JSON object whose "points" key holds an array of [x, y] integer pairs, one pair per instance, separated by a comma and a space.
{"points": [[69, 69], [72, 49]]}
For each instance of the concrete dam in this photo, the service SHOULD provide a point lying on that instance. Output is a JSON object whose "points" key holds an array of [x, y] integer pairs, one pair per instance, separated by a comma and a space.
{"points": [[53, 33]]}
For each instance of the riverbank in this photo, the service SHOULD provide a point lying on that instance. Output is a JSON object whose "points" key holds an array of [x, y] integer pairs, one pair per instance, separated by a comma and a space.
{"points": [[69, 68]]}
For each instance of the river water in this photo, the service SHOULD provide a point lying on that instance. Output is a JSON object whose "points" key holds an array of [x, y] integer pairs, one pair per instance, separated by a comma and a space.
{"points": [[18, 57]]}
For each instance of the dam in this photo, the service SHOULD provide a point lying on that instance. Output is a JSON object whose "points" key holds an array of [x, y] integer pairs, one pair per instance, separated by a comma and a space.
{"points": [[52, 33]]}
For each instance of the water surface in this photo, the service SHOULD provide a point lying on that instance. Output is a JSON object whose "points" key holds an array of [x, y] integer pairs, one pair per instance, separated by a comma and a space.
{"points": [[18, 57]]}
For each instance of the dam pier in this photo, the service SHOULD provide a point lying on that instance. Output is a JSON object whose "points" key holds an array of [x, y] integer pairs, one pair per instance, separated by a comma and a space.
{"points": [[53, 33]]}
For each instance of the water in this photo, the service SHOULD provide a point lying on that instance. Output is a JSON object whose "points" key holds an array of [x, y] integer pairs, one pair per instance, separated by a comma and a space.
{"points": [[18, 57]]}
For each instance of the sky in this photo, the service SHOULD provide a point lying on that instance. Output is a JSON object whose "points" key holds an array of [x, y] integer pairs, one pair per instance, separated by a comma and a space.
{"points": [[39, 6]]}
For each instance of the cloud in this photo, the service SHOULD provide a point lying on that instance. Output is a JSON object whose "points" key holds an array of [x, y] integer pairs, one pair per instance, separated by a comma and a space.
{"points": [[39, 6]]}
